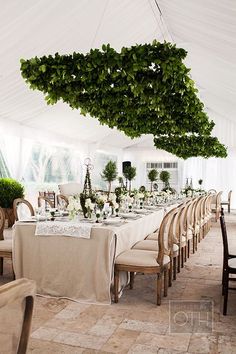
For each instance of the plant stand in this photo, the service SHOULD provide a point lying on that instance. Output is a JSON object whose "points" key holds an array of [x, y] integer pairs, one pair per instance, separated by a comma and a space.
{"points": [[9, 216]]}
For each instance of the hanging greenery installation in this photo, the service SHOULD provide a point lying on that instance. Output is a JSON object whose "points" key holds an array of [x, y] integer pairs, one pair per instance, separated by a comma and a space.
{"points": [[144, 89]]}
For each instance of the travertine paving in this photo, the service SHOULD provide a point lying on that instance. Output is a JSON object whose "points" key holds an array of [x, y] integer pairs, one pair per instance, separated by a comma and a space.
{"points": [[136, 325]]}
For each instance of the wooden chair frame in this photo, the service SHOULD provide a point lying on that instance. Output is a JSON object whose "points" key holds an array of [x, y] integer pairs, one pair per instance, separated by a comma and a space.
{"points": [[20, 289], [160, 269], [227, 270], [47, 202], [228, 203], [64, 199], [23, 201]]}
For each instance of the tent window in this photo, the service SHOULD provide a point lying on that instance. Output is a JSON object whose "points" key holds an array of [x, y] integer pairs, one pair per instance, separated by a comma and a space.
{"points": [[4, 172]]}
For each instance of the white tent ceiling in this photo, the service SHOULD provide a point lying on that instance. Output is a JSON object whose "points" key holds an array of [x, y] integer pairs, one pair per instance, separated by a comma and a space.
{"points": [[205, 28]]}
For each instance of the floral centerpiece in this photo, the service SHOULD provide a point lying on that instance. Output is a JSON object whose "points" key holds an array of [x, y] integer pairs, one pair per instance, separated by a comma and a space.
{"points": [[74, 206], [89, 205]]}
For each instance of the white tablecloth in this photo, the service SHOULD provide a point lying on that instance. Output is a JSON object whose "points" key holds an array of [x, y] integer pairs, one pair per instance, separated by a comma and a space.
{"points": [[77, 268]]}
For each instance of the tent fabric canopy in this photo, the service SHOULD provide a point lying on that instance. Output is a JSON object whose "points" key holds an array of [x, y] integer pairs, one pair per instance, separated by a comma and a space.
{"points": [[206, 30]]}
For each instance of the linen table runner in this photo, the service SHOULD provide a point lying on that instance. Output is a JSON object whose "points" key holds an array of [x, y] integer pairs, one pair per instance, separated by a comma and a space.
{"points": [[66, 228]]}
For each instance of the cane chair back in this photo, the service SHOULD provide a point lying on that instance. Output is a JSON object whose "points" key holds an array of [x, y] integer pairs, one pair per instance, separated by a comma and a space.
{"points": [[22, 209]]}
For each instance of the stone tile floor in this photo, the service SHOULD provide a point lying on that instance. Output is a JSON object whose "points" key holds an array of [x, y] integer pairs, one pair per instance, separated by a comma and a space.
{"points": [[136, 325]]}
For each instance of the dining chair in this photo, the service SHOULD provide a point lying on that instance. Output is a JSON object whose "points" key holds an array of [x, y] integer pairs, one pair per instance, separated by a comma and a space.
{"points": [[67, 190], [216, 205], [49, 198], [212, 191], [45, 202], [145, 262], [16, 309], [228, 202], [152, 244], [62, 201], [206, 215], [5, 245], [229, 264], [20, 202], [187, 230]]}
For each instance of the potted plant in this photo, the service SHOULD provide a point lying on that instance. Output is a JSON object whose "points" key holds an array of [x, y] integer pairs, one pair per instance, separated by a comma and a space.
{"points": [[165, 177], [152, 176], [109, 174], [129, 174], [10, 190]]}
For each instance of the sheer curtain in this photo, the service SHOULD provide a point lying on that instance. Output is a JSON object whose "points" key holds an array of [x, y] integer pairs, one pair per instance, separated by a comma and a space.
{"points": [[11, 147], [219, 174]]}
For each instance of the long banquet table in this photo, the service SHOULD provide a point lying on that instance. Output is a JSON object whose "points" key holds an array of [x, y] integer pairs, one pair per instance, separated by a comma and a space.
{"points": [[77, 268]]}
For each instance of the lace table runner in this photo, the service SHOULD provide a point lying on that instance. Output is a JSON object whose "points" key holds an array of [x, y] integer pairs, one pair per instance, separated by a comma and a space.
{"points": [[67, 228]]}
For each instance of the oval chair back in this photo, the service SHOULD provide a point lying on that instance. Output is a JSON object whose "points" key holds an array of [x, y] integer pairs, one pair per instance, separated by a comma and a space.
{"points": [[17, 202]]}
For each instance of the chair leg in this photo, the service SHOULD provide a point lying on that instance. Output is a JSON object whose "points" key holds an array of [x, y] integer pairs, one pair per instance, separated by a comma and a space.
{"points": [[174, 268], [166, 272], [116, 285], [185, 252], [228, 208], [131, 283], [179, 261], [196, 241], [182, 257], [170, 273], [225, 286], [193, 243], [188, 255], [159, 283], [1, 265]]}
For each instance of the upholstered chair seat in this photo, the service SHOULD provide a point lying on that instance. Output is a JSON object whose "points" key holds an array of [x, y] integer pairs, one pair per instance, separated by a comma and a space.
{"points": [[140, 258], [153, 236], [6, 245]]}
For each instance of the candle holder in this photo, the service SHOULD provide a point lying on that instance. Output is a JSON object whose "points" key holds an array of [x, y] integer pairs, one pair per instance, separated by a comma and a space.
{"points": [[97, 217]]}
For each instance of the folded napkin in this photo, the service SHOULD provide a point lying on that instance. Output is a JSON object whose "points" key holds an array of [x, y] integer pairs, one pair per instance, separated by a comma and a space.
{"points": [[69, 228]]}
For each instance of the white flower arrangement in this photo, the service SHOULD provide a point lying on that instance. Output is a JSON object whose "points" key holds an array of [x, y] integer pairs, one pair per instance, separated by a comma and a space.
{"points": [[115, 206], [129, 199], [89, 204], [140, 195], [73, 207]]}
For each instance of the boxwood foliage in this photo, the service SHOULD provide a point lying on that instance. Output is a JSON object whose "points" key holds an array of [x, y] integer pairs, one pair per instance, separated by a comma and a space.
{"points": [[10, 189], [144, 89]]}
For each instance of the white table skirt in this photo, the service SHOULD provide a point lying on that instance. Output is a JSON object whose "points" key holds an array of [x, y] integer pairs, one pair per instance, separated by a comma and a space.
{"points": [[80, 269]]}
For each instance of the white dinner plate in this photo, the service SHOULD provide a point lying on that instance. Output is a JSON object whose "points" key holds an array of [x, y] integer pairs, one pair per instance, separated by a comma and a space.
{"points": [[141, 211], [112, 221], [151, 207], [128, 215], [28, 220]]}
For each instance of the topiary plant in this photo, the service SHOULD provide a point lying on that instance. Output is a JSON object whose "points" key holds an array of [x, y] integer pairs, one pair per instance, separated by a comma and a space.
{"points": [[165, 177], [10, 189], [152, 176], [129, 174], [109, 174]]}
